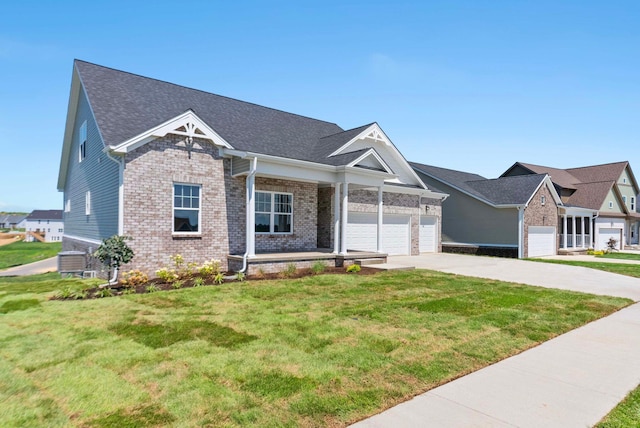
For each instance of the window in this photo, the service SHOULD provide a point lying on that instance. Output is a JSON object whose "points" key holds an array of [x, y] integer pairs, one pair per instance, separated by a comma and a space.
{"points": [[610, 204], [274, 212], [82, 152], [543, 200], [633, 203], [60, 230], [67, 206], [87, 203], [186, 208], [624, 200]]}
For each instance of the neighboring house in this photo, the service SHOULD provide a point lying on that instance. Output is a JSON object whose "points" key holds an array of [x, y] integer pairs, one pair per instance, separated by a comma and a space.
{"points": [[188, 172], [610, 189], [507, 216], [11, 221], [47, 224]]}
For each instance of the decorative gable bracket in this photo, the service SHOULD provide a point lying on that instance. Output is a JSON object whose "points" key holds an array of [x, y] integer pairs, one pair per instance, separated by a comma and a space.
{"points": [[188, 124]]}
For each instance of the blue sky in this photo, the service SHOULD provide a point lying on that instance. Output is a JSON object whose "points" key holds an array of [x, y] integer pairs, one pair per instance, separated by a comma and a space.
{"points": [[469, 85]]}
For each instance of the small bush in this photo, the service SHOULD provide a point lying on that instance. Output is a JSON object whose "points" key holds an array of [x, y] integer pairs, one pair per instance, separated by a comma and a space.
{"points": [[218, 278], [353, 268], [289, 271], [134, 278], [260, 273], [129, 290], [198, 282], [177, 284], [151, 288], [318, 267], [79, 294], [167, 275], [210, 268], [240, 276], [104, 292]]}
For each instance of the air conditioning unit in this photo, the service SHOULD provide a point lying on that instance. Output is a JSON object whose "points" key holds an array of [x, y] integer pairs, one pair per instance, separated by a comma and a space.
{"points": [[72, 262]]}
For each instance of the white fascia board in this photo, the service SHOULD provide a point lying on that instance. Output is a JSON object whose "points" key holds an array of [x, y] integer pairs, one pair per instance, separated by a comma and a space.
{"points": [[74, 95], [278, 160], [577, 211], [169, 127], [381, 136], [546, 181], [372, 152], [78, 238], [473, 244]]}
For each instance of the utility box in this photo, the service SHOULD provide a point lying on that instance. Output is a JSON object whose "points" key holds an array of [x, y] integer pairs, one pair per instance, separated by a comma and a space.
{"points": [[72, 262]]}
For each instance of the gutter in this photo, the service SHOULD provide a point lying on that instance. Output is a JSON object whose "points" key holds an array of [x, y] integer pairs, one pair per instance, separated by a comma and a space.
{"points": [[245, 256]]}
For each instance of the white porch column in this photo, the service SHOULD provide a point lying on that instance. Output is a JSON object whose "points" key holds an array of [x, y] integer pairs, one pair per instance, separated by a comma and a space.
{"points": [[573, 231], [564, 231], [336, 218], [582, 231], [379, 247], [345, 216], [251, 214]]}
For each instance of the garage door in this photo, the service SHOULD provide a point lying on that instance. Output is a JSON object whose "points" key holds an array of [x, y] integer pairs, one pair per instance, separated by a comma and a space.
{"points": [[362, 233], [542, 241], [605, 234], [428, 234]]}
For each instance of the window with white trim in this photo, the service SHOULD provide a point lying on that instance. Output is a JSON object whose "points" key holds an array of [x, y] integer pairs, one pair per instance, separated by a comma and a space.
{"points": [[624, 200], [82, 151], [67, 206], [87, 203], [633, 203], [610, 204], [274, 212], [186, 208]]}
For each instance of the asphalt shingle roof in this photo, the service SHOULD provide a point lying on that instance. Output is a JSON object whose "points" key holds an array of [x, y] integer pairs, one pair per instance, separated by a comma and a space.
{"points": [[45, 215], [126, 105], [514, 190]]}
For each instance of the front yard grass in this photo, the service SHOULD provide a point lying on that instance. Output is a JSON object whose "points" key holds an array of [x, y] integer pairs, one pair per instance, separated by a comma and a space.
{"points": [[324, 350], [626, 414], [623, 256], [619, 268], [21, 253]]}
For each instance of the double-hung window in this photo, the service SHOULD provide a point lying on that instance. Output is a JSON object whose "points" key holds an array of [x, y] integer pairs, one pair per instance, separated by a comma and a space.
{"points": [[82, 151], [274, 212], [633, 203], [186, 208]]}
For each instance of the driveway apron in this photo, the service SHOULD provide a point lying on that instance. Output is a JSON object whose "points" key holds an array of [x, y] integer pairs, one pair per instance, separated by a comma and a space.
{"points": [[571, 381]]}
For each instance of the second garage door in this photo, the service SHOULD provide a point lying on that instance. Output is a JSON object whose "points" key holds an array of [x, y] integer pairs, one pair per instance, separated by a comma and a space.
{"points": [[605, 234], [542, 241], [362, 233], [428, 234]]}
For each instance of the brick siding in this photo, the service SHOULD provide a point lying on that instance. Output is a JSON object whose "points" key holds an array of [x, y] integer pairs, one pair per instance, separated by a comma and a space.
{"points": [[538, 215]]}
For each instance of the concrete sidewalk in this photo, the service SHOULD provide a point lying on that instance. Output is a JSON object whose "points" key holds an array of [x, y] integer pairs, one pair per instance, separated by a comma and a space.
{"points": [[573, 380], [43, 266]]}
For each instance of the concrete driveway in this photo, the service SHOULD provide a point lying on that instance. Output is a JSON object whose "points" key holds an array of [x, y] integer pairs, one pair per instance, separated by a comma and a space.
{"points": [[43, 266], [573, 380], [526, 272]]}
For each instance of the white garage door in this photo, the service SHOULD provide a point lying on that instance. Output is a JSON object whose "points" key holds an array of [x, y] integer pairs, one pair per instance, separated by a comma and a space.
{"points": [[362, 233], [428, 234], [605, 234], [542, 241]]}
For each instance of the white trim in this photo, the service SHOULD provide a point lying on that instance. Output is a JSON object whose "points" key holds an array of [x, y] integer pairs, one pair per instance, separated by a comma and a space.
{"points": [[174, 208], [272, 213], [87, 202], [471, 244], [336, 220], [78, 238], [189, 120], [371, 152], [521, 232]]}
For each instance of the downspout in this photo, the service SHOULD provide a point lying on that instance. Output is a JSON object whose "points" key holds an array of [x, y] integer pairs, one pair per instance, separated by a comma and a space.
{"points": [[250, 220], [120, 162], [593, 230], [521, 232]]}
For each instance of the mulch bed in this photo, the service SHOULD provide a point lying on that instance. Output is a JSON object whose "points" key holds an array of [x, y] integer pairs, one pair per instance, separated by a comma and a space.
{"points": [[158, 284]]}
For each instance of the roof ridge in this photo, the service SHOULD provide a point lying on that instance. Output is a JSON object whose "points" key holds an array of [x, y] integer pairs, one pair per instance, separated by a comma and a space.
{"points": [[600, 164], [205, 92], [346, 130]]}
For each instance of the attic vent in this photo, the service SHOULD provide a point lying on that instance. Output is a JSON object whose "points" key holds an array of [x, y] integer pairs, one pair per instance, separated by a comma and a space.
{"points": [[182, 129], [198, 131]]}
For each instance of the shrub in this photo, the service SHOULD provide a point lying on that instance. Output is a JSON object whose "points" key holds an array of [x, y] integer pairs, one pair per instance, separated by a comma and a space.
{"points": [[167, 275], [129, 291], [104, 292], [353, 268], [612, 244], [198, 282], [289, 271], [210, 268], [151, 288], [218, 278], [240, 276], [178, 284], [318, 267], [134, 278], [79, 294], [114, 252]]}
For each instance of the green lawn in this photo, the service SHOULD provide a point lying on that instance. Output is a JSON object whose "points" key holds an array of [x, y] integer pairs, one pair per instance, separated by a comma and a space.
{"points": [[623, 256], [325, 350], [20, 253], [620, 268], [626, 414]]}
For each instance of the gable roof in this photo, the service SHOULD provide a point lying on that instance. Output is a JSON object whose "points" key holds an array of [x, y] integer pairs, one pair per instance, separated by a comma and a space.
{"points": [[591, 184], [45, 215], [512, 191], [116, 97]]}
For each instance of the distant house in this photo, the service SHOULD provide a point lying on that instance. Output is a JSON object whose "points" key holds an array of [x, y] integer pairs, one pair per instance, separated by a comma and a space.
{"points": [[46, 225], [183, 171], [507, 216], [610, 189], [11, 221]]}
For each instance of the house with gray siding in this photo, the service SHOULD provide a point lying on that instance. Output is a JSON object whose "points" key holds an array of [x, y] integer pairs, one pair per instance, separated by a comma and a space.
{"points": [[508, 216], [183, 171], [44, 225]]}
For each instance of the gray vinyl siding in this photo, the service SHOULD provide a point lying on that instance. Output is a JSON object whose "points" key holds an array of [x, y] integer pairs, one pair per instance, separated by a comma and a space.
{"points": [[238, 165], [97, 174], [467, 220]]}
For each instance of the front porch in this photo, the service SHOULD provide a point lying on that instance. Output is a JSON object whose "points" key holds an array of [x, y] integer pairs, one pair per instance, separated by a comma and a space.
{"points": [[274, 262], [575, 234]]}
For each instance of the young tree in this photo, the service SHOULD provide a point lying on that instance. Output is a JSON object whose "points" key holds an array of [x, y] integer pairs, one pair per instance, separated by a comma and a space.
{"points": [[114, 252]]}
